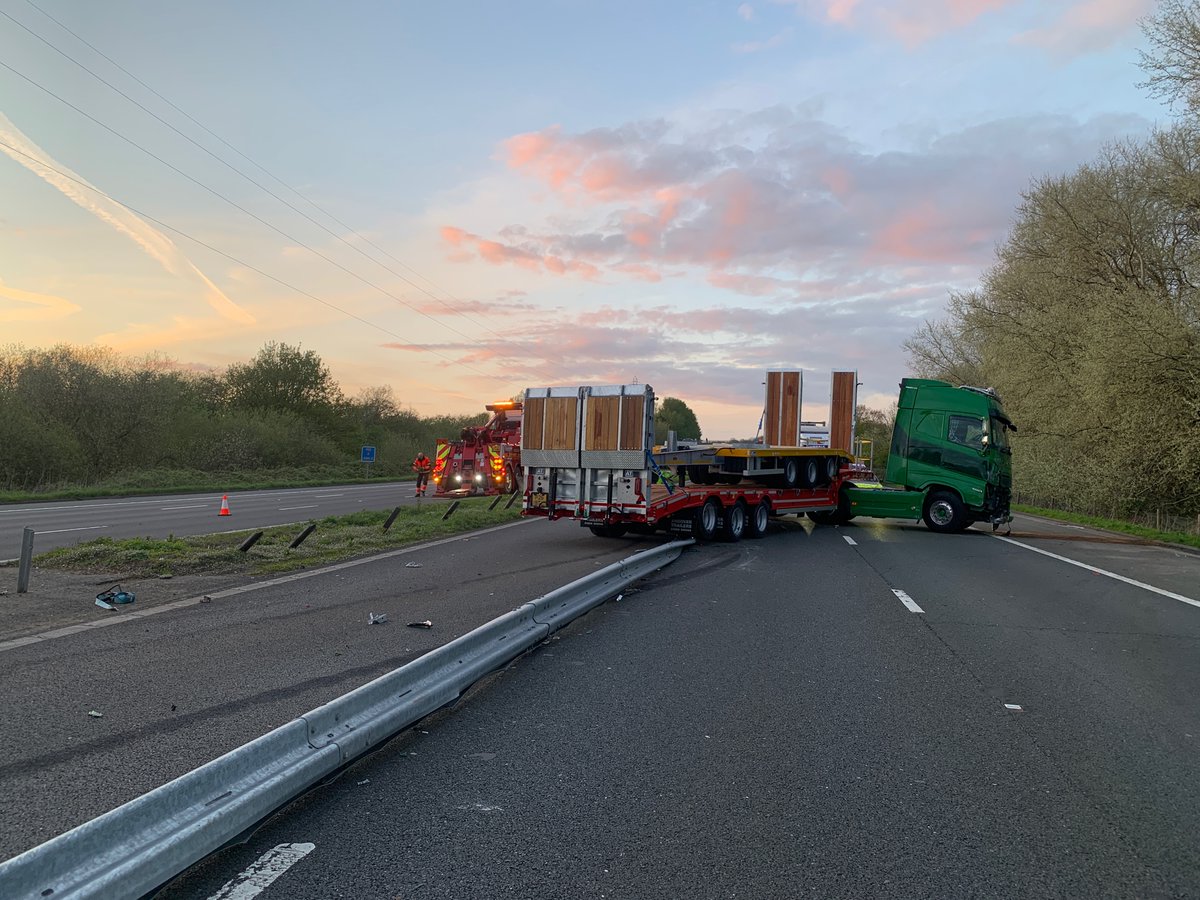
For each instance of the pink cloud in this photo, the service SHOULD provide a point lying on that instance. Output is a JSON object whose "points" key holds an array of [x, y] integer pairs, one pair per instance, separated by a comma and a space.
{"points": [[1088, 26], [910, 21]]}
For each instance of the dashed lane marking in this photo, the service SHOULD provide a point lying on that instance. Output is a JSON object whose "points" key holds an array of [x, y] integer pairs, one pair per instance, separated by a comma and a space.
{"points": [[263, 872], [1105, 572], [907, 601], [290, 508], [849, 540]]}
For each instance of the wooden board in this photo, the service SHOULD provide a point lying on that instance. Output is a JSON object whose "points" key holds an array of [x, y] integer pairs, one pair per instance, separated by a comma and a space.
{"points": [[531, 423], [781, 422], [600, 432], [841, 410], [633, 415], [559, 431]]}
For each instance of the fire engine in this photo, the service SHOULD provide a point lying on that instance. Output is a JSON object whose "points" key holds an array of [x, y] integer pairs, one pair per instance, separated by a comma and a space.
{"points": [[486, 459]]}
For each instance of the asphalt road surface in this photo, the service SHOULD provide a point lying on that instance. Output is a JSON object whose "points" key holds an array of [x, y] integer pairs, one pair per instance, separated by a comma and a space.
{"points": [[70, 521], [867, 711]]}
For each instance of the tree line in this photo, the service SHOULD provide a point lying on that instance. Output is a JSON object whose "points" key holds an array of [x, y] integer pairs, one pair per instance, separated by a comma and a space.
{"points": [[1088, 322], [72, 416]]}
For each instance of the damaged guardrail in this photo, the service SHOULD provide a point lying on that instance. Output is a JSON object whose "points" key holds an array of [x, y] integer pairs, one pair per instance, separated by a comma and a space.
{"points": [[167, 830]]}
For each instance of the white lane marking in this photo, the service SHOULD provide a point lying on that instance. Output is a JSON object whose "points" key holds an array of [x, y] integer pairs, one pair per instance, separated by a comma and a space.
{"points": [[65, 530], [907, 601], [263, 872], [1075, 562], [290, 508], [198, 506], [849, 540], [325, 496]]}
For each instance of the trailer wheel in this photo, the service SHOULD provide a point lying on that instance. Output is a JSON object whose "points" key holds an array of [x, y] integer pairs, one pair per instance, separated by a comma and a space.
{"points": [[823, 516], [757, 521], [733, 522], [609, 531], [843, 514], [791, 472], [944, 512], [832, 465], [706, 519]]}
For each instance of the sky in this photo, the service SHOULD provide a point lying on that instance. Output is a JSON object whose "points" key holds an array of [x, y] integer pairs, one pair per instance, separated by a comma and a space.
{"points": [[460, 201]]}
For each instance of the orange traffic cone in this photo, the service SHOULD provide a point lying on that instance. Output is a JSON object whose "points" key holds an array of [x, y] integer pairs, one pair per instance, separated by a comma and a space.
{"points": [[225, 506]]}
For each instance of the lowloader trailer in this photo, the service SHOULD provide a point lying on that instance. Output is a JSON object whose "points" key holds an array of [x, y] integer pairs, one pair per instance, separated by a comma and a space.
{"points": [[589, 455]]}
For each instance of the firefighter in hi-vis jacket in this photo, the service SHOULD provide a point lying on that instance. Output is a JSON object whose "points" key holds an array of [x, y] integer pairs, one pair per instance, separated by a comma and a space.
{"points": [[422, 466]]}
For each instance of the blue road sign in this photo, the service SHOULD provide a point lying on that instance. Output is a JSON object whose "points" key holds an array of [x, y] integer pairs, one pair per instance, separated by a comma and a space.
{"points": [[368, 454]]}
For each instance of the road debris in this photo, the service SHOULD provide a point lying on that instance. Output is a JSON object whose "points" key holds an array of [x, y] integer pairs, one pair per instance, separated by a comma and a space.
{"points": [[95, 714], [206, 599], [106, 599], [376, 618], [412, 565], [425, 624]]}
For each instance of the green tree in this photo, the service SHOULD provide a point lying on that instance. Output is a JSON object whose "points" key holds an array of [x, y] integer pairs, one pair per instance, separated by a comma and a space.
{"points": [[875, 425], [675, 415]]}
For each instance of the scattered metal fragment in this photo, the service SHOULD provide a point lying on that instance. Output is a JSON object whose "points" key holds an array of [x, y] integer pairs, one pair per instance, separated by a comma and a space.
{"points": [[95, 714], [376, 618], [411, 565], [425, 624], [104, 604], [206, 599]]}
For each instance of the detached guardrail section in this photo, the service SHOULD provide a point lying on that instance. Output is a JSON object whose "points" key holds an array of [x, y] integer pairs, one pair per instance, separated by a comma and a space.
{"points": [[143, 844]]}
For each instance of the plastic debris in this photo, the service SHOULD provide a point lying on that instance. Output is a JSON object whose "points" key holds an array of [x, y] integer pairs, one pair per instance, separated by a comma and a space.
{"points": [[376, 618], [619, 597], [412, 565], [425, 624], [364, 781], [95, 714], [114, 595], [206, 599]]}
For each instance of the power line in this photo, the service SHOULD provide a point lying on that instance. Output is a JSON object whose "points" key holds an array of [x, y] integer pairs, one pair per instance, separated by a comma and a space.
{"points": [[236, 205], [232, 258], [232, 167]]}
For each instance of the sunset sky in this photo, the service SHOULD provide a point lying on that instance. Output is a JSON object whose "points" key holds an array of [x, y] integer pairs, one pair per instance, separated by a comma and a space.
{"points": [[472, 198]]}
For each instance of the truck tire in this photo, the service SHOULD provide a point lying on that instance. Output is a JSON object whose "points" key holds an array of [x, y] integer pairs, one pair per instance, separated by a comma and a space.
{"points": [[830, 464], [843, 514], [791, 472], [824, 516], [759, 518], [733, 522], [609, 531], [810, 472], [706, 519], [944, 512]]}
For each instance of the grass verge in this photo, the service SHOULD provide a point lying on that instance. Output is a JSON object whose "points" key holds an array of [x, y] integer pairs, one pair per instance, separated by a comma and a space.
{"points": [[336, 538], [1170, 537]]}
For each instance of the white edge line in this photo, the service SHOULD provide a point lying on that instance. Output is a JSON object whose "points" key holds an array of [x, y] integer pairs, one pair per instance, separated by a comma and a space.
{"points": [[907, 601], [261, 874], [242, 589], [1082, 565], [173, 508], [290, 508], [81, 528]]}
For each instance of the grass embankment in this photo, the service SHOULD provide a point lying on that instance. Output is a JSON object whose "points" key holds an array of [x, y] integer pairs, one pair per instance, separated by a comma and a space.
{"points": [[1171, 537], [335, 538], [190, 481]]}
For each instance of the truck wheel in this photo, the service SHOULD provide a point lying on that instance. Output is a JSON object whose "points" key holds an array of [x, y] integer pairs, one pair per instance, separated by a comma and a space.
{"points": [[706, 519], [791, 472], [733, 522], [609, 531], [944, 512], [823, 516], [843, 514], [757, 521], [810, 472], [831, 465]]}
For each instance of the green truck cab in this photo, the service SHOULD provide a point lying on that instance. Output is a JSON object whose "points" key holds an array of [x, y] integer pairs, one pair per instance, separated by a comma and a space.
{"points": [[950, 461]]}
